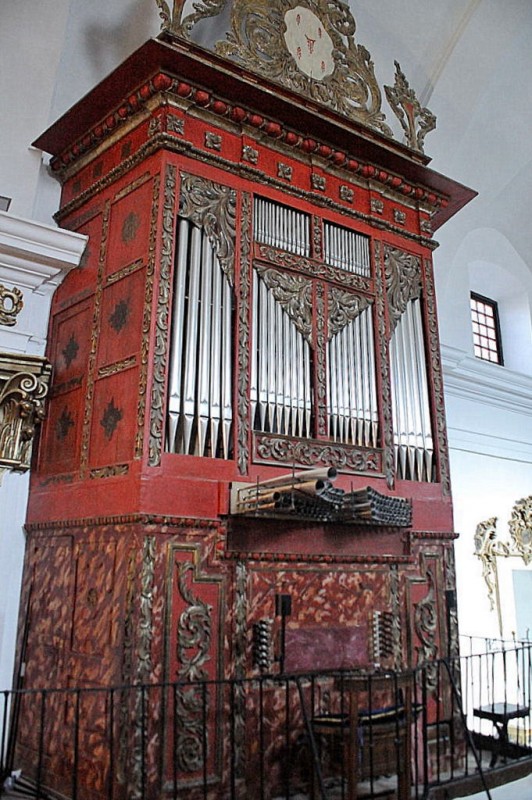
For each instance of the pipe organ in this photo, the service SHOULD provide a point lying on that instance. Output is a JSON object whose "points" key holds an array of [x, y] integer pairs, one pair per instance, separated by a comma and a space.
{"points": [[256, 303]]}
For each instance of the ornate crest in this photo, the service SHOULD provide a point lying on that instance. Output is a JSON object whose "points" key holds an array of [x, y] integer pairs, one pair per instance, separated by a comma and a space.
{"points": [[415, 120], [308, 46], [403, 280], [11, 304]]}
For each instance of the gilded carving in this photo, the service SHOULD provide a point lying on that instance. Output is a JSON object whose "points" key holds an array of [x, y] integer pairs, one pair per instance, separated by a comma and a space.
{"points": [[395, 602], [308, 452], [376, 205], [403, 281], [346, 193], [23, 387], [194, 640], [415, 120], [243, 423], [389, 461], [262, 37], [212, 207], [284, 171], [146, 319], [213, 140], [118, 366], [318, 182], [399, 216], [109, 472], [250, 154], [294, 293], [11, 304], [426, 624], [317, 237], [436, 375], [240, 652], [158, 389], [344, 307], [314, 268], [175, 124], [320, 360], [91, 366]]}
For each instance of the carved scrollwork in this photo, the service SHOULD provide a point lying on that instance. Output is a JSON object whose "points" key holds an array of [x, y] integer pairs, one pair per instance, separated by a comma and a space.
{"points": [[23, 388], [415, 120], [347, 83], [308, 453], [212, 207], [294, 294], [426, 627], [520, 526], [11, 304], [403, 280], [193, 646], [344, 307]]}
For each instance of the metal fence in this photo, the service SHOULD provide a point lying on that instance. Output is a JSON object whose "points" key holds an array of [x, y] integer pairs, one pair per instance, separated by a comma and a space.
{"points": [[324, 735]]}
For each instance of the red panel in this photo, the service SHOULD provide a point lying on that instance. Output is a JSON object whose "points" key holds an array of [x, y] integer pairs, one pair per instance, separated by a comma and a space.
{"points": [[129, 226], [114, 418], [121, 318]]}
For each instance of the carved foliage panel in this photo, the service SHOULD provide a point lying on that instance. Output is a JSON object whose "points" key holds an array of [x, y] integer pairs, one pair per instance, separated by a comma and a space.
{"points": [[195, 620]]}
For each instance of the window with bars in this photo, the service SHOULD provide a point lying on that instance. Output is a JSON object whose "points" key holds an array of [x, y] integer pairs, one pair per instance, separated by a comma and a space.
{"points": [[486, 331]]}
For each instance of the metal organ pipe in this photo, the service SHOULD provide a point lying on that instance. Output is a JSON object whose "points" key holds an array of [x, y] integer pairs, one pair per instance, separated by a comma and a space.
{"points": [[352, 397], [200, 395], [281, 227], [346, 249], [413, 441], [280, 389]]}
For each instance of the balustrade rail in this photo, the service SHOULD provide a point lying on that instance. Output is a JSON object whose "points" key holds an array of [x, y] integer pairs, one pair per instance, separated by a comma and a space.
{"points": [[326, 735]]}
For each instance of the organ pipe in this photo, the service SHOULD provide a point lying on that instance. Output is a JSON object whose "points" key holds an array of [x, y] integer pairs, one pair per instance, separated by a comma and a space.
{"points": [[280, 392], [200, 378], [414, 449], [346, 249], [352, 395], [281, 227]]}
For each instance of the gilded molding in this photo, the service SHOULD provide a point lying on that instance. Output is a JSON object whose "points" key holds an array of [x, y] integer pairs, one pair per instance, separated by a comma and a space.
{"points": [[11, 304], [344, 307], [119, 366], [271, 448], [147, 318], [109, 472], [320, 362], [385, 378], [415, 120], [436, 377], [24, 382], [91, 365], [162, 317], [395, 602], [294, 294], [243, 339], [426, 623], [212, 207], [315, 269]]}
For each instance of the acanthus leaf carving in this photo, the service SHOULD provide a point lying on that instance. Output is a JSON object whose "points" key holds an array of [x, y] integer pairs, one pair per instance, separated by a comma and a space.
{"points": [[344, 307], [212, 207], [294, 293], [403, 281]]}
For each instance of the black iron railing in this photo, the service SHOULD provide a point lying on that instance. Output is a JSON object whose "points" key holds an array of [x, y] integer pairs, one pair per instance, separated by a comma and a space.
{"points": [[276, 736]]}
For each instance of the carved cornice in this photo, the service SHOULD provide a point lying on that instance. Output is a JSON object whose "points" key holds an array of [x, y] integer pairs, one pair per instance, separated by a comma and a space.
{"points": [[23, 387]]}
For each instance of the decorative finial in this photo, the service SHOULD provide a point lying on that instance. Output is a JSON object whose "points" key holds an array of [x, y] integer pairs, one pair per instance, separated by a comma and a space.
{"points": [[415, 120]]}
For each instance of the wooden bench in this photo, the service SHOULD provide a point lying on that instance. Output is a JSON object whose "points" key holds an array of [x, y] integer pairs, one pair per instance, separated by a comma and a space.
{"points": [[500, 715]]}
